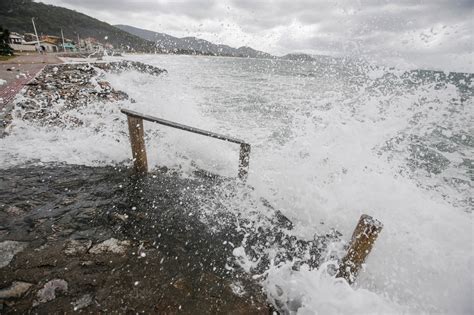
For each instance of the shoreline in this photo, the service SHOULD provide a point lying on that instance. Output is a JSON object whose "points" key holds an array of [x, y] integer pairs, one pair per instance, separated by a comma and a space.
{"points": [[17, 73], [93, 258], [99, 235], [76, 229]]}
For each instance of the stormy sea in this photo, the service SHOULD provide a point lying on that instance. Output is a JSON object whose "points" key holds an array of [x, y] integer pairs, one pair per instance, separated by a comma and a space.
{"points": [[331, 139]]}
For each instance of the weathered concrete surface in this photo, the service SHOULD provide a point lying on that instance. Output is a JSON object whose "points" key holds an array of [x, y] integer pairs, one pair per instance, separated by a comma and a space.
{"points": [[139, 244], [154, 257]]}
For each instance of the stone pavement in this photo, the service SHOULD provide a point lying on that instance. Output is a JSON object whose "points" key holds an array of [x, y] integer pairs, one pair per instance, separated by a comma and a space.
{"points": [[17, 72]]}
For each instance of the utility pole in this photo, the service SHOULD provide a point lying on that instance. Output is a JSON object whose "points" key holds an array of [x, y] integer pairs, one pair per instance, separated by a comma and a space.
{"points": [[78, 43], [62, 35], [36, 33]]}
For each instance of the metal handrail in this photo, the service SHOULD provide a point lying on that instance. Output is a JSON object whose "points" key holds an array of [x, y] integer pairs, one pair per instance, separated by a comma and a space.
{"points": [[181, 126], [363, 238], [135, 126]]}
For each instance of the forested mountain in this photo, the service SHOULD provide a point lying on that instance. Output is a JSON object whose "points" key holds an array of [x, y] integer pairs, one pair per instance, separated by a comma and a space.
{"points": [[16, 15], [192, 45]]}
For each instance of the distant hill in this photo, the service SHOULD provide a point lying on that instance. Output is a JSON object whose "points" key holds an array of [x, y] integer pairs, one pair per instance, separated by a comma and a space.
{"points": [[321, 59], [298, 57], [192, 45], [15, 15]]}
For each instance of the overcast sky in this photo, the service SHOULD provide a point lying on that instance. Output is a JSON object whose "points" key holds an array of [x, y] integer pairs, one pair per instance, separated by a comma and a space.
{"points": [[423, 33]]}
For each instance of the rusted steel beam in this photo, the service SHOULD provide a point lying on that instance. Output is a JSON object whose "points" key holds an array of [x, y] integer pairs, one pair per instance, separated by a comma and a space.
{"points": [[137, 140], [244, 160], [363, 239]]}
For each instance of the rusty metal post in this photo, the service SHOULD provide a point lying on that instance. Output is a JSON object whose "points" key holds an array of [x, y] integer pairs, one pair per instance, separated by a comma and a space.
{"points": [[244, 161], [137, 140], [361, 244]]}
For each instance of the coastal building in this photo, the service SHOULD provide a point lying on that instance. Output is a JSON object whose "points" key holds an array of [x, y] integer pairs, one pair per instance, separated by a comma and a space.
{"points": [[17, 43], [87, 43], [29, 37], [15, 39], [50, 43], [51, 39], [48, 47], [91, 44], [69, 46]]}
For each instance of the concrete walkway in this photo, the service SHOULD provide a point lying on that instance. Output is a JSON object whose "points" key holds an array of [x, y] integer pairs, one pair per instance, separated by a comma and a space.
{"points": [[17, 72]]}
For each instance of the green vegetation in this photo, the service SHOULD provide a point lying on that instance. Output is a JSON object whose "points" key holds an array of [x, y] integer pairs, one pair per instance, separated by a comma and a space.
{"points": [[16, 15], [5, 58], [5, 49]]}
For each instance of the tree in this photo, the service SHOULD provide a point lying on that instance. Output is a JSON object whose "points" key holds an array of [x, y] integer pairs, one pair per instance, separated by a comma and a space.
{"points": [[5, 48]]}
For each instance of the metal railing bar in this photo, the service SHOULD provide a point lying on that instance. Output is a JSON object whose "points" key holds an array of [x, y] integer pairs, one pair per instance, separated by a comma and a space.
{"points": [[182, 127]]}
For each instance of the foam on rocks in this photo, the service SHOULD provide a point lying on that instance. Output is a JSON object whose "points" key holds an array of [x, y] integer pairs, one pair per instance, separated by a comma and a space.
{"points": [[49, 291], [8, 250], [111, 245]]}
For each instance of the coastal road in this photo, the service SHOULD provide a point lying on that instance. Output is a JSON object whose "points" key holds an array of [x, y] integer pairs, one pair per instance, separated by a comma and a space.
{"points": [[18, 71]]}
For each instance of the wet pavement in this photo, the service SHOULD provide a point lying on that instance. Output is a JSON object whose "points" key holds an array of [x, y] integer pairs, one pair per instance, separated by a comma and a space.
{"points": [[124, 244], [121, 244]]}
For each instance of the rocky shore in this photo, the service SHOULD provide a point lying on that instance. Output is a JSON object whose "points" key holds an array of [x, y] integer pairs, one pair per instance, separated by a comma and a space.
{"points": [[60, 88], [94, 239], [99, 239], [15, 73]]}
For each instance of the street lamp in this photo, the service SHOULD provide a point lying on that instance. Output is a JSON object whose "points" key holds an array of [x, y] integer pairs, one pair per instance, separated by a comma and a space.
{"points": [[36, 33]]}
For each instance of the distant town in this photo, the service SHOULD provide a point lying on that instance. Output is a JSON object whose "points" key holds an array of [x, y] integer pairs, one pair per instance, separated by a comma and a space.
{"points": [[51, 43]]}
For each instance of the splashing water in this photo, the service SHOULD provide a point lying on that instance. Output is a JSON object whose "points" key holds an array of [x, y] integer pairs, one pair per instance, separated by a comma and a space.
{"points": [[330, 140]]}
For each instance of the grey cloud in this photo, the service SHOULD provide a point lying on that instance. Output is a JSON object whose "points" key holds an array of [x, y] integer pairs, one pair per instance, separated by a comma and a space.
{"points": [[198, 9], [380, 27]]}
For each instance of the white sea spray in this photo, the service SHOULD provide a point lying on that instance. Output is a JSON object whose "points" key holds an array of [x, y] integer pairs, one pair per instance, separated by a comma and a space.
{"points": [[328, 144]]}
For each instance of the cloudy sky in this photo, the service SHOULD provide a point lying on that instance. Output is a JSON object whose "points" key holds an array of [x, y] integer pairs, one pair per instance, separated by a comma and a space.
{"points": [[423, 33]]}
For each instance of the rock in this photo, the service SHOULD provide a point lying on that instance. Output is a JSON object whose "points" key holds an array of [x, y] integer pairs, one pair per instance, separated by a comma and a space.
{"points": [[126, 65], [122, 217], [60, 88], [111, 245], [13, 210], [75, 247], [82, 302], [87, 263], [16, 290], [8, 250], [48, 292]]}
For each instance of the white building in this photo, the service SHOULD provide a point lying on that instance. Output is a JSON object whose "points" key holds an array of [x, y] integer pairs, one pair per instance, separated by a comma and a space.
{"points": [[15, 39], [17, 43], [48, 47]]}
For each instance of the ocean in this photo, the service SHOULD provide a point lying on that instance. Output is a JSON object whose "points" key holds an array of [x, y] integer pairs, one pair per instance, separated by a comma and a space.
{"points": [[331, 139]]}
